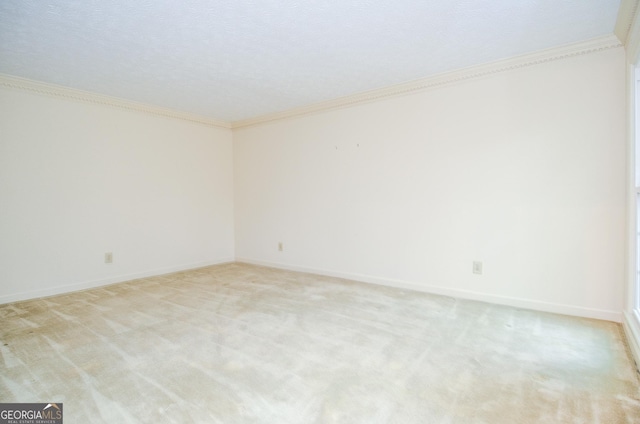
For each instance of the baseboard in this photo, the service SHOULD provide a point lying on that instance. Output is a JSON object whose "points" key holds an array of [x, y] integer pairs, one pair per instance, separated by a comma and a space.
{"points": [[536, 305], [68, 288], [631, 326]]}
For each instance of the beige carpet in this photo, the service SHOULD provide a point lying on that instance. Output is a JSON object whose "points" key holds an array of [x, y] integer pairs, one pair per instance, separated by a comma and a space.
{"points": [[243, 344]]}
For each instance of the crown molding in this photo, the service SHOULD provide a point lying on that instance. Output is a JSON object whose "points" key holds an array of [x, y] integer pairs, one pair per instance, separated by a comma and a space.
{"points": [[67, 93], [626, 16], [632, 40], [424, 84], [447, 78]]}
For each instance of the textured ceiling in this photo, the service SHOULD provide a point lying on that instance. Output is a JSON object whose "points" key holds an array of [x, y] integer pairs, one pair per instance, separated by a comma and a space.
{"points": [[232, 59]]}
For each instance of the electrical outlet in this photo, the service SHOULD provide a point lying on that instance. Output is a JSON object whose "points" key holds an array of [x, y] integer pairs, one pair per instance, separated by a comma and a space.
{"points": [[477, 267], [280, 247], [108, 258]]}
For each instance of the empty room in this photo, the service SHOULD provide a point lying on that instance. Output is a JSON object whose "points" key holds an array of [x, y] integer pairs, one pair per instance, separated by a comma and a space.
{"points": [[319, 212]]}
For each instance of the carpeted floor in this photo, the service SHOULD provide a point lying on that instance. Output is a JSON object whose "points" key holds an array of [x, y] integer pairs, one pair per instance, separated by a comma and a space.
{"points": [[239, 343]]}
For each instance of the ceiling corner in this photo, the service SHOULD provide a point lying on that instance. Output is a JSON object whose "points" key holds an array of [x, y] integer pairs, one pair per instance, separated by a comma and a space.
{"points": [[624, 21]]}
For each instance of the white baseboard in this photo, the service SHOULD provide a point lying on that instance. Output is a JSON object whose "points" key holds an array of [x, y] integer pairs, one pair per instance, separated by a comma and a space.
{"points": [[444, 291], [631, 326], [67, 288], [601, 314]]}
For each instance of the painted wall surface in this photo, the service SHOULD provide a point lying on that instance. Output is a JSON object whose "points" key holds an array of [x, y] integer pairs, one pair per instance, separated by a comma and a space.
{"points": [[631, 322], [523, 170], [78, 180]]}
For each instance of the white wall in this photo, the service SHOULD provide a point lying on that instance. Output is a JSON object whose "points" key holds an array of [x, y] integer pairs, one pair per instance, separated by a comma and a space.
{"points": [[631, 35], [78, 180], [523, 170]]}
